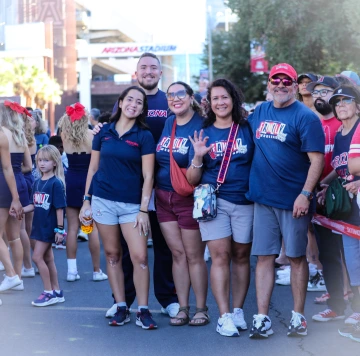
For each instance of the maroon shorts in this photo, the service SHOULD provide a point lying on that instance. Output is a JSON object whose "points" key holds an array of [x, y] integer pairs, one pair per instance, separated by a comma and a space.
{"points": [[170, 206]]}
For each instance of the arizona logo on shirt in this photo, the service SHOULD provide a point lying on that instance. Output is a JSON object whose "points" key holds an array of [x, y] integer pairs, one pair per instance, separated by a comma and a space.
{"points": [[157, 113], [179, 145], [271, 129], [218, 148], [41, 200]]}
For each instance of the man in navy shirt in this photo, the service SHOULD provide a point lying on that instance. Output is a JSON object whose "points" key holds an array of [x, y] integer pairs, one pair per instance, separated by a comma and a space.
{"points": [[148, 74], [288, 161]]}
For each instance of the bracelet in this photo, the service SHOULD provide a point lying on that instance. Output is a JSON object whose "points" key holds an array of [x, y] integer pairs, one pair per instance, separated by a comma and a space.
{"points": [[60, 231], [194, 166], [143, 211], [61, 227]]}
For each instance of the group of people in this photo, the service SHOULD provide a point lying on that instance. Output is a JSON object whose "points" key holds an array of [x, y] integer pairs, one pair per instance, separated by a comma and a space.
{"points": [[269, 168]]}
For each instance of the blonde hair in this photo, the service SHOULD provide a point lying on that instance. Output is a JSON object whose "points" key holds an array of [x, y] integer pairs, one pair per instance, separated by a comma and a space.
{"points": [[29, 133], [14, 122], [74, 132], [51, 153], [41, 126]]}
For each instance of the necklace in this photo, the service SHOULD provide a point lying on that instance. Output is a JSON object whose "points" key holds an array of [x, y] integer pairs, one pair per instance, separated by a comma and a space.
{"points": [[43, 187]]}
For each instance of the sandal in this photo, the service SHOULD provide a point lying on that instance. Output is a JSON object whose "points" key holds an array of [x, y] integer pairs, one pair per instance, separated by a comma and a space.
{"points": [[182, 320], [205, 319]]}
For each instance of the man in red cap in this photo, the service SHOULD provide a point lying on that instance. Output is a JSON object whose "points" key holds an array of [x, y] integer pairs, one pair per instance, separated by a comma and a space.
{"points": [[289, 152]]}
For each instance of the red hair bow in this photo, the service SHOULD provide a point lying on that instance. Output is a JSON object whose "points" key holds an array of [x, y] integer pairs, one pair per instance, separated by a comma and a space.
{"points": [[76, 112], [14, 106]]}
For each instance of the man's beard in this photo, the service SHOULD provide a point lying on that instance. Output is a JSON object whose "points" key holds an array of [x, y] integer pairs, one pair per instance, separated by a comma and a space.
{"points": [[322, 107], [148, 86]]}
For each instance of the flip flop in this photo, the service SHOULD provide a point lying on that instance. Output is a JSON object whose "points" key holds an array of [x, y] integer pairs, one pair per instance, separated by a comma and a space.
{"points": [[205, 319], [183, 320]]}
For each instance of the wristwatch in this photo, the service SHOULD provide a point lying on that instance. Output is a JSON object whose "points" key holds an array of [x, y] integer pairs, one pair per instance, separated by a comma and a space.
{"points": [[308, 195], [86, 197]]}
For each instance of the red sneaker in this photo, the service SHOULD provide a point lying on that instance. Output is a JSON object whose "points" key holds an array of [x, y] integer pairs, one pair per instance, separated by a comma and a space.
{"points": [[327, 315]]}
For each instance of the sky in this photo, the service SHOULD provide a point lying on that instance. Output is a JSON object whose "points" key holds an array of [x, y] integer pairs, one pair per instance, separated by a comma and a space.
{"points": [[164, 21]]}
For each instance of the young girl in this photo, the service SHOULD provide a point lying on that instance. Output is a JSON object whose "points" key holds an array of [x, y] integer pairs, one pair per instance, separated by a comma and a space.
{"points": [[48, 223]]}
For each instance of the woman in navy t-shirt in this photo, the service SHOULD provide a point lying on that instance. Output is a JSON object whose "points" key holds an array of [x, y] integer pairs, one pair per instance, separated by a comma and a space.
{"points": [[174, 209], [229, 235], [121, 174]]}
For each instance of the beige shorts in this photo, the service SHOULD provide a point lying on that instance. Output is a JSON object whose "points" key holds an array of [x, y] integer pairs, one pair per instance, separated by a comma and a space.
{"points": [[231, 220]]}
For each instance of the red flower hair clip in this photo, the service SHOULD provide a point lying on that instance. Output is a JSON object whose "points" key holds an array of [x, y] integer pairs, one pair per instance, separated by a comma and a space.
{"points": [[14, 106], [76, 112]]}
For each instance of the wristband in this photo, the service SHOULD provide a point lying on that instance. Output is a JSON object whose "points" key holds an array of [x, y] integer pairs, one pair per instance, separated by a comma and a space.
{"points": [[60, 231], [143, 211], [194, 166]]}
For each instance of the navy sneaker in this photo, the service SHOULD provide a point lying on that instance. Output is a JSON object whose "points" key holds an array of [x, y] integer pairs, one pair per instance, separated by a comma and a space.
{"points": [[121, 317], [60, 296], [44, 300], [298, 325], [145, 320], [261, 327]]}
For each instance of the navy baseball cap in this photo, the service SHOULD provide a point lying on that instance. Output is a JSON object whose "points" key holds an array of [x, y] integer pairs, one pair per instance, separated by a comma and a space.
{"points": [[346, 91], [323, 80], [313, 77]]}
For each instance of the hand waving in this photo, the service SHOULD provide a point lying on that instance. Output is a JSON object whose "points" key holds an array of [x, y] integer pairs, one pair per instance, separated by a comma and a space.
{"points": [[199, 144]]}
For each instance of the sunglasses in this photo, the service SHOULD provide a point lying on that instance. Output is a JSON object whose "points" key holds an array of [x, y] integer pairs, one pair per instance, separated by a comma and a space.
{"points": [[321, 92], [277, 81], [343, 102], [181, 94]]}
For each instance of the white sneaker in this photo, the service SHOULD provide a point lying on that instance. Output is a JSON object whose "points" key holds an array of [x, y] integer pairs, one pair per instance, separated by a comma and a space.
{"points": [[226, 327], [27, 272], [238, 319], [171, 310], [283, 272], [316, 283], [82, 236], [20, 287], [60, 246], [261, 326], [72, 277], [207, 255], [99, 276], [285, 281], [353, 319], [2, 268], [9, 282], [111, 312]]}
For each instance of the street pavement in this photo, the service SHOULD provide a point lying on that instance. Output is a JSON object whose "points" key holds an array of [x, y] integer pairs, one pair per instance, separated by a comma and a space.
{"points": [[79, 327]]}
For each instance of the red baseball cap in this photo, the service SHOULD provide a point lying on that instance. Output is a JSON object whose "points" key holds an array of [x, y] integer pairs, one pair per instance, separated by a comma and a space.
{"points": [[283, 68]]}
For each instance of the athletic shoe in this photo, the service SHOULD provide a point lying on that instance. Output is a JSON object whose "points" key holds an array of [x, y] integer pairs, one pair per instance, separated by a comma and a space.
{"points": [[316, 283], [313, 270], [61, 246], [353, 318], [298, 325], [60, 296], [9, 282], [72, 277], [283, 281], [323, 299], [261, 327], [99, 276], [20, 287], [238, 319], [44, 300], [149, 242], [53, 245], [226, 327], [355, 335], [2, 268], [347, 330], [171, 310], [111, 312], [283, 272], [82, 236], [27, 272], [327, 315], [121, 316], [207, 254], [145, 320]]}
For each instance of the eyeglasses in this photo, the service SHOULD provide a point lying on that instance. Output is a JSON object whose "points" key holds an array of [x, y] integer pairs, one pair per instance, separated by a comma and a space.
{"points": [[321, 92], [277, 81], [181, 94], [344, 101]]}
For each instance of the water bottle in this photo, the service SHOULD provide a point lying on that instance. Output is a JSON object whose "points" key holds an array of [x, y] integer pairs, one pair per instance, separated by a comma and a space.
{"points": [[87, 223]]}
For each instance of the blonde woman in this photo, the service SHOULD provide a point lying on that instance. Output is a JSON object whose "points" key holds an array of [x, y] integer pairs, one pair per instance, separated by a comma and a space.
{"points": [[77, 142], [10, 119]]}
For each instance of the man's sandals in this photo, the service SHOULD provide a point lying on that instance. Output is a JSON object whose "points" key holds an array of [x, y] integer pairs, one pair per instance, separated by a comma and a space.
{"points": [[203, 320]]}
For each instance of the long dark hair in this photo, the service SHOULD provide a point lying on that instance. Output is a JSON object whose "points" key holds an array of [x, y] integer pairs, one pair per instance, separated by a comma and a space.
{"points": [[239, 114], [195, 105], [140, 120]]}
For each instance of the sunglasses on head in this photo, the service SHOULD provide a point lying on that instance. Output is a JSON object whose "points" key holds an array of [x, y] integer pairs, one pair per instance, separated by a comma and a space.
{"points": [[346, 101], [181, 94], [285, 81]]}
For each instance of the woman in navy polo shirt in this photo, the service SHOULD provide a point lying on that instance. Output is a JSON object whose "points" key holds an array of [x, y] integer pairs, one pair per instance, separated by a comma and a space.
{"points": [[121, 174], [229, 235], [174, 211]]}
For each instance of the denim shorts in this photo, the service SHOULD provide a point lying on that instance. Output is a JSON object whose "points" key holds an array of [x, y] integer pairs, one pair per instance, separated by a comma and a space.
{"points": [[109, 212], [352, 259]]}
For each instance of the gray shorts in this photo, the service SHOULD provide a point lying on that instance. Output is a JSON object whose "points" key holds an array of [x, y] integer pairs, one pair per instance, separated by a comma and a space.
{"points": [[273, 224], [109, 212], [231, 219]]}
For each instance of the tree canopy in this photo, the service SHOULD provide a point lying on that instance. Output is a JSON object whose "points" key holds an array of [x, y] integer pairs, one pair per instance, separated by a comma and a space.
{"points": [[319, 36]]}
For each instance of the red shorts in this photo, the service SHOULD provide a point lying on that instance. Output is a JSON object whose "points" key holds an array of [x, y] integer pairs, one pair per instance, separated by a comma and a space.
{"points": [[170, 206]]}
